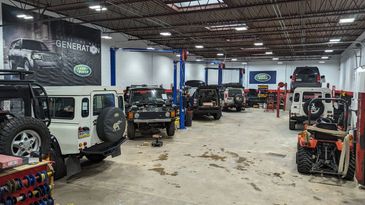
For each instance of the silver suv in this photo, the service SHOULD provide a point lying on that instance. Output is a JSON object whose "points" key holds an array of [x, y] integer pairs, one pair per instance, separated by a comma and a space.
{"points": [[32, 54], [234, 98]]}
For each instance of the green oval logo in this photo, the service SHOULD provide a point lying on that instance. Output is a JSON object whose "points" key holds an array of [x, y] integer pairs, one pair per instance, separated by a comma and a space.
{"points": [[262, 77], [82, 70]]}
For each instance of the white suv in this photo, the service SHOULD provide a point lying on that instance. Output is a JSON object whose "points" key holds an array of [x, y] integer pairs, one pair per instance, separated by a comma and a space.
{"points": [[300, 102], [86, 121]]}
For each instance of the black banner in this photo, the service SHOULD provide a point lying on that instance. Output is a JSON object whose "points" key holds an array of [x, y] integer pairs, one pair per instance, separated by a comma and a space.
{"points": [[59, 52]]}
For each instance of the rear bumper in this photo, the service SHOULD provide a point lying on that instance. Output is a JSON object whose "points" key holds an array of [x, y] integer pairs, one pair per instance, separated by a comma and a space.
{"points": [[105, 148]]}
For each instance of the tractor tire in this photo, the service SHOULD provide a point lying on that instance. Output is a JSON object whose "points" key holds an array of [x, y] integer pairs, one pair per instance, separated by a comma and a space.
{"points": [[20, 136], [95, 158], [59, 166], [131, 131], [170, 128], [304, 160], [292, 125], [351, 170]]}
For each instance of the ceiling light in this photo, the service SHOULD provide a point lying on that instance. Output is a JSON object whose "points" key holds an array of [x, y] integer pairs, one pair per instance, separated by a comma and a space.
{"points": [[268, 52], [220, 54], [150, 48], [23, 16], [165, 34], [328, 51], [325, 57], [335, 40], [275, 59], [107, 37], [28, 17], [101, 9], [234, 59], [244, 63], [243, 28], [322, 62], [199, 46], [280, 63], [177, 55], [199, 60], [258, 44], [347, 20], [95, 7]]}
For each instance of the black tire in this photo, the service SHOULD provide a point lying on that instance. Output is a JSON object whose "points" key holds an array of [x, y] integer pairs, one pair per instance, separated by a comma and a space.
{"points": [[304, 160], [217, 116], [291, 125], [189, 118], [96, 158], [131, 131], [110, 124], [170, 128], [238, 109], [316, 115], [59, 166], [351, 170], [10, 129]]}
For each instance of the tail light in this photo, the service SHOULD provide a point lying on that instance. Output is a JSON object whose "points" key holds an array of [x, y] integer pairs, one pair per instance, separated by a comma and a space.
{"points": [[318, 78]]}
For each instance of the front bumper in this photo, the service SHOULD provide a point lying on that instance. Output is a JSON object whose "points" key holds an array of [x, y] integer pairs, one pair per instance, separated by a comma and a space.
{"points": [[46, 64], [105, 148]]}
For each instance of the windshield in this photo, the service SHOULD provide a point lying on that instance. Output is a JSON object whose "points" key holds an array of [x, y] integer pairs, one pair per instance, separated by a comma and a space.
{"points": [[234, 92], [306, 75], [146, 96], [34, 45]]}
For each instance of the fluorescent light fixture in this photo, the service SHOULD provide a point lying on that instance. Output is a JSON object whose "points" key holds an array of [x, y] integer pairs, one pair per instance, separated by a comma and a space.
{"points": [[107, 37], [165, 34], [280, 63], [101, 9], [199, 46], [275, 59], [243, 28], [21, 15], [95, 7], [150, 48], [28, 17], [325, 57], [268, 53], [335, 40], [347, 20], [258, 44], [234, 59], [220, 54], [322, 62], [199, 60], [244, 63], [328, 51]]}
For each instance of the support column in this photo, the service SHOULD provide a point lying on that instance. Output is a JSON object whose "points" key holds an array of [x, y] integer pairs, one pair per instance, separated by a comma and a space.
{"points": [[206, 76], [181, 90], [174, 91], [220, 74], [112, 66]]}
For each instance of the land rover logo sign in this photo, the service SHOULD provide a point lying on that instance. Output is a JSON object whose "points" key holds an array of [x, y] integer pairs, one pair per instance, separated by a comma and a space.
{"points": [[262, 77], [82, 70]]}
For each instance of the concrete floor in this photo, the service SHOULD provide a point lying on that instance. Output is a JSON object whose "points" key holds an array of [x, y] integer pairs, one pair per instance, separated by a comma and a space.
{"points": [[244, 158]]}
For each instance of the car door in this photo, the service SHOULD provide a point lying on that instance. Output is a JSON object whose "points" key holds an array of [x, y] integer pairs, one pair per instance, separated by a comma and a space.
{"points": [[100, 100]]}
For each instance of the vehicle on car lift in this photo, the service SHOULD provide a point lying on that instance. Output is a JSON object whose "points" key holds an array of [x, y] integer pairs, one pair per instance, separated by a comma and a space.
{"points": [[23, 116], [326, 147], [149, 110], [306, 77], [234, 97], [86, 121], [298, 113], [206, 101], [31, 54]]}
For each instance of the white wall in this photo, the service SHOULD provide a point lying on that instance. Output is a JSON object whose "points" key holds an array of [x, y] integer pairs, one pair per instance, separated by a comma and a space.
{"points": [[351, 59]]}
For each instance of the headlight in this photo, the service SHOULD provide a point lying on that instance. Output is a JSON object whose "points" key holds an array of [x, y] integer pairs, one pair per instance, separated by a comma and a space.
{"points": [[36, 56], [167, 114], [136, 115]]}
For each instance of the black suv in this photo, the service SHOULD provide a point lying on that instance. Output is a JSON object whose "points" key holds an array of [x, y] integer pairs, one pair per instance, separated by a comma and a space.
{"points": [[206, 101], [306, 77], [149, 110]]}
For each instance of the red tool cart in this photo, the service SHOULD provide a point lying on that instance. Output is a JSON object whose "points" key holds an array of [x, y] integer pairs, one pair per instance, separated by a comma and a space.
{"points": [[27, 184]]}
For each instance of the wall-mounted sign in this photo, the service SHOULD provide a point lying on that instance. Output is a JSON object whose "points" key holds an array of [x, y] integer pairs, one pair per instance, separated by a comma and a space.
{"points": [[262, 77], [59, 52]]}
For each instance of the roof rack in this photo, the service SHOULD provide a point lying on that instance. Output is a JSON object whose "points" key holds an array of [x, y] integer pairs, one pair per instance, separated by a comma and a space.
{"points": [[20, 73]]}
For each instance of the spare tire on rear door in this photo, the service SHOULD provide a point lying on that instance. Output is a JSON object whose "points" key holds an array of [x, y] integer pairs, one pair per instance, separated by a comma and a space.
{"points": [[317, 109], [110, 124]]}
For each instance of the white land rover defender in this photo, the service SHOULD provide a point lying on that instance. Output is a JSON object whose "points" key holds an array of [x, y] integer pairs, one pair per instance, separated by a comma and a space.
{"points": [[299, 109], [86, 121]]}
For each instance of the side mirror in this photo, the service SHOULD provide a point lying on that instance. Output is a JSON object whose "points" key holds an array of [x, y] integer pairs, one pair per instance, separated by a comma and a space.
{"points": [[323, 79]]}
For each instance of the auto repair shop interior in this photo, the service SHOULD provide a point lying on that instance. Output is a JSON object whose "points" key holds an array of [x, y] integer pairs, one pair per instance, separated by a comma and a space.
{"points": [[182, 102]]}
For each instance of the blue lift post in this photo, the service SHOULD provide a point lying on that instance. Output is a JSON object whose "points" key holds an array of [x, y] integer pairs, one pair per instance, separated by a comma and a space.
{"points": [[181, 90], [182, 75]]}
